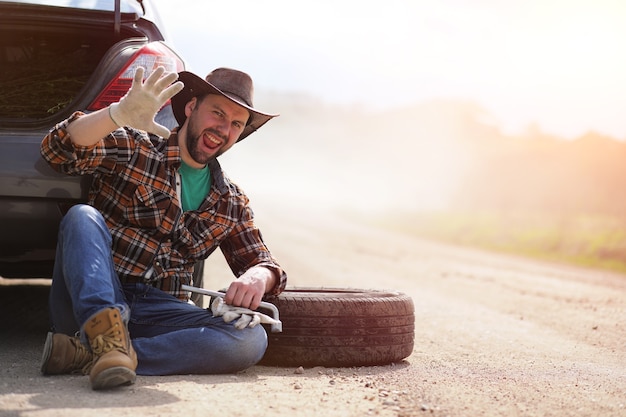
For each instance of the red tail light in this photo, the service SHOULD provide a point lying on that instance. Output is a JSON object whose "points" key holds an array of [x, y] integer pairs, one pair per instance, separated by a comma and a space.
{"points": [[150, 57]]}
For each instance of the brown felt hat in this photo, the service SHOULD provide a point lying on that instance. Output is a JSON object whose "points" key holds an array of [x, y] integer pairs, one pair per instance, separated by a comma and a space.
{"points": [[232, 84]]}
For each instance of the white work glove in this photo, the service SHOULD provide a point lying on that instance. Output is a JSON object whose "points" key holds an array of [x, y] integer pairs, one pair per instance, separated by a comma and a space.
{"points": [[244, 316], [144, 99]]}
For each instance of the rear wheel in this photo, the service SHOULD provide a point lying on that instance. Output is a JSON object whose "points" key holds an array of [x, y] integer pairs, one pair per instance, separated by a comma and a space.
{"points": [[341, 327]]}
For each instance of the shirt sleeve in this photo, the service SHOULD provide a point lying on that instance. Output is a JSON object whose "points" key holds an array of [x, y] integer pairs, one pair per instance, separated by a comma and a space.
{"points": [[244, 248], [64, 156]]}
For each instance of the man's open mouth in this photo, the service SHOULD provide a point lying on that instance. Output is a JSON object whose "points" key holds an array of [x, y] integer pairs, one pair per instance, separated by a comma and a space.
{"points": [[211, 141]]}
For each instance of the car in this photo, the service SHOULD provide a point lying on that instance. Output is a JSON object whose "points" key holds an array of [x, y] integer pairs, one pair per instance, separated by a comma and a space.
{"points": [[57, 57]]}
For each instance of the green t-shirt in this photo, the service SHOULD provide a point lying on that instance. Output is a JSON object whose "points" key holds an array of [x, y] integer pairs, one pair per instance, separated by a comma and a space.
{"points": [[195, 185]]}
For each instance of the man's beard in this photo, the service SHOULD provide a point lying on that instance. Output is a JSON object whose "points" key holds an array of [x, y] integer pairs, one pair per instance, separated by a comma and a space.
{"points": [[193, 138]]}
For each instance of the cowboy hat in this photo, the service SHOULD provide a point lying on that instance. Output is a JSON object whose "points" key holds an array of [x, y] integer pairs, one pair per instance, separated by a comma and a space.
{"points": [[232, 84]]}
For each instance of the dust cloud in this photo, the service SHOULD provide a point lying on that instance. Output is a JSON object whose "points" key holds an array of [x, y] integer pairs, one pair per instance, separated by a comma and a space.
{"points": [[333, 157], [434, 156]]}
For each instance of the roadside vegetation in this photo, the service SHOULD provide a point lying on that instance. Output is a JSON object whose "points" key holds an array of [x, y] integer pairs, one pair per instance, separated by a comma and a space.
{"points": [[583, 240], [532, 194]]}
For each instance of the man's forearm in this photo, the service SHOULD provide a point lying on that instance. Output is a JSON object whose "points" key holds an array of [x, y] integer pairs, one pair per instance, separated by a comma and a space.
{"points": [[91, 128], [271, 280]]}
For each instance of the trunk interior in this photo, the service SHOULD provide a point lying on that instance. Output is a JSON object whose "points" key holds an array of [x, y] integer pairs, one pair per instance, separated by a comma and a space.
{"points": [[42, 74], [45, 63]]}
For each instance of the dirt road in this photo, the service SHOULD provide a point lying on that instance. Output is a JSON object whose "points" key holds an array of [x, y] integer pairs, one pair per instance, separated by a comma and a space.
{"points": [[495, 336]]}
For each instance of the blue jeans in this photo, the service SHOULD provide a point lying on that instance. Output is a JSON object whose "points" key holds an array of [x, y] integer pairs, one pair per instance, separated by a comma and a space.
{"points": [[169, 335]]}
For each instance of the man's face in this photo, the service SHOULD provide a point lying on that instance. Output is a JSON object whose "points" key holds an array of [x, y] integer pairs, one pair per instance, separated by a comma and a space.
{"points": [[214, 123]]}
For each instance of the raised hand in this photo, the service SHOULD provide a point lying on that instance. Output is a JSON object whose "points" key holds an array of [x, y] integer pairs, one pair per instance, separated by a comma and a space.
{"points": [[139, 106]]}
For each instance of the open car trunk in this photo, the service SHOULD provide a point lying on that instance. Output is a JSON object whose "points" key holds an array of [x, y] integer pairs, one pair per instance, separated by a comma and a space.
{"points": [[49, 54]]}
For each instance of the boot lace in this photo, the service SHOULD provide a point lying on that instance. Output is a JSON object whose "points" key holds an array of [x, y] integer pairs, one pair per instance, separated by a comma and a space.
{"points": [[104, 343], [82, 356]]}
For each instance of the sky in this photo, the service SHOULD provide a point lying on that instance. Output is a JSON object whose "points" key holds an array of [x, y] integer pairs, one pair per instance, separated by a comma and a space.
{"points": [[556, 64]]}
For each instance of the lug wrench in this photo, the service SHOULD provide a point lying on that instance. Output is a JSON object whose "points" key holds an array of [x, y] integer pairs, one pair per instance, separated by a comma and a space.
{"points": [[276, 327]]}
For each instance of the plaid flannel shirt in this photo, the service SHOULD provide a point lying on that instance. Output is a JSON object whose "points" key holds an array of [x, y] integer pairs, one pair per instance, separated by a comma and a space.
{"points": [[154, 241]]}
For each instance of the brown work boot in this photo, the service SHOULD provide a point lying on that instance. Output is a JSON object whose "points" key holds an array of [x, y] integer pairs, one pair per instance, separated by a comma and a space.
{"points": [[63, 354], [115, 359]]}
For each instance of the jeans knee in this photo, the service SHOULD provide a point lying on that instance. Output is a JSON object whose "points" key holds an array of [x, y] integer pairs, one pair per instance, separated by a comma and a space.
{"points": [[256, 344], [244, 349], [80, 213], [84, 219]]}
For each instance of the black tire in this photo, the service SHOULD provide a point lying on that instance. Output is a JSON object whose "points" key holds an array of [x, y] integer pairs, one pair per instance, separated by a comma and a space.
{"points": [[341, 327]]}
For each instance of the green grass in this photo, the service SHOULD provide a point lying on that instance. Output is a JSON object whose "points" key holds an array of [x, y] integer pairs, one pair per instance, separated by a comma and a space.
{"points": [[585, 240]]}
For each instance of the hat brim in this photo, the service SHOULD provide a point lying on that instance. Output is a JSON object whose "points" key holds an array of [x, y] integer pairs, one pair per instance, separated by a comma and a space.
{"points": [[196, 86]]}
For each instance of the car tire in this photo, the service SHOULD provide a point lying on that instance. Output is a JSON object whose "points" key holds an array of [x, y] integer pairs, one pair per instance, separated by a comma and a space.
{"points": [[341, 327]]}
